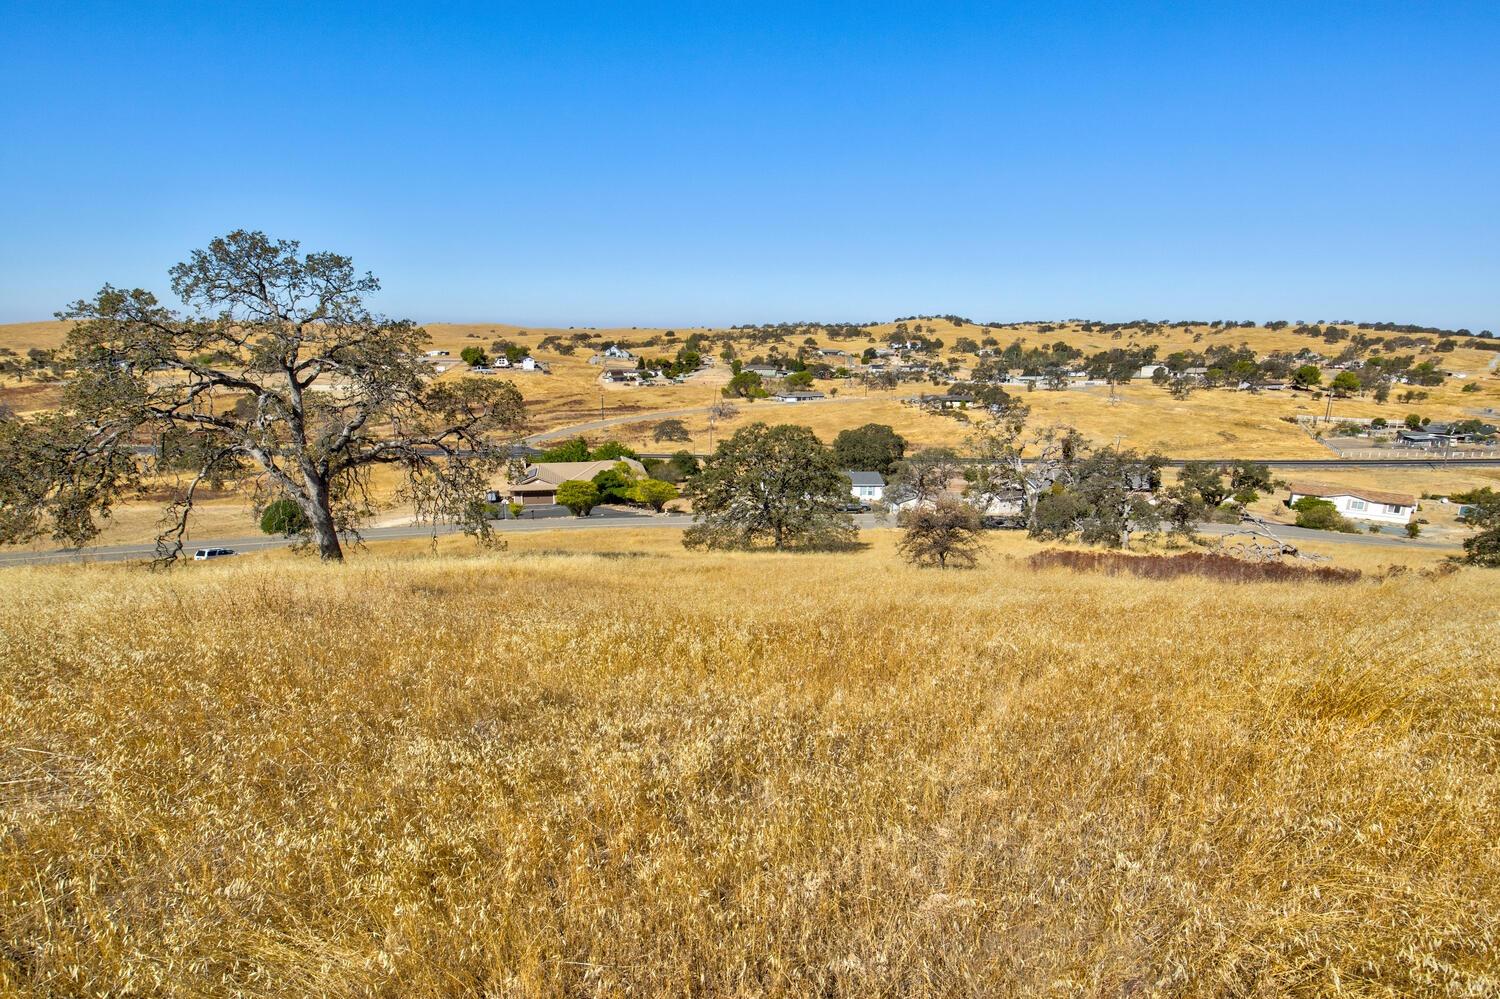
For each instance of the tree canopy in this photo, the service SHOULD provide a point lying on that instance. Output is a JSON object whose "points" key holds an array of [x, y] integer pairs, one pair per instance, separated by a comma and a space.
{"points": [[944, 534], [874, 447], [770, 485]]}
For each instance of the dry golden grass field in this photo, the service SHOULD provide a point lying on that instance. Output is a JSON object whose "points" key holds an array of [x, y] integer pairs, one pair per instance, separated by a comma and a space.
{"points": [[1207, 424], [597, 765]]}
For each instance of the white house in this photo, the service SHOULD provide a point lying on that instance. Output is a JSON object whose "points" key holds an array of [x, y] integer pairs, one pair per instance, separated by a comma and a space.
{"points": [[617, 353], [529, 363], [867, 487], [797, 395], [1359, 504]]}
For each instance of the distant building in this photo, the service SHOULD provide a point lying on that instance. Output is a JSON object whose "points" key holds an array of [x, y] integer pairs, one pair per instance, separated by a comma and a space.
{"points": [[799, 395], [867, 487]]}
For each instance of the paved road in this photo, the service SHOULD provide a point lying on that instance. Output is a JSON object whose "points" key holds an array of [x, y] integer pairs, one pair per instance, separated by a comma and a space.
{"points": [[604, 520], [1303, 534], [601, 520]]}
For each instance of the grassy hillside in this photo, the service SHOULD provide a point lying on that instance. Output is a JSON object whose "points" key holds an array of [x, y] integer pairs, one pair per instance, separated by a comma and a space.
{"points": [[638, 771]]}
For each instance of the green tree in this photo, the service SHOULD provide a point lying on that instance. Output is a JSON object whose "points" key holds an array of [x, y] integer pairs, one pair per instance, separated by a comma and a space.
{"points": [[611, 449], [873, 447], [615, 484], [653, 493], [271, 329], [1345, 384], [576, 449], [1307, 376], [474, 357], [1207, 480], [799, 380], [745, 385], [671, 430], [1482, 511], [943, 534], [578, 496], [775, 485], [284, 517]]}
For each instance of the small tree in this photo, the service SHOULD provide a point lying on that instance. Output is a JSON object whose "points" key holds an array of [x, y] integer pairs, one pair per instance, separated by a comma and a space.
{"points": [[1307, 376], [653, 493], [1345, 384], [671, 430], [474, 357], [926, 474], [745, 385], [770, 484], [615, 484], [944, 534], [579, 496]]}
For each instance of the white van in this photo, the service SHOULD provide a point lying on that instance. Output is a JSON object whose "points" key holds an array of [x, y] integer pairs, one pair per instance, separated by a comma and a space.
{"points": [[204, 554]]}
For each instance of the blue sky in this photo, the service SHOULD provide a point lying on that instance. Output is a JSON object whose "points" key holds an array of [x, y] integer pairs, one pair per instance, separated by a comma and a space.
{"points": [[639, 164]]}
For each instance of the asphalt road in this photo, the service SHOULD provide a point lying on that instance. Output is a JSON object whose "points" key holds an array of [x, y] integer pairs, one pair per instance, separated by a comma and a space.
{"points": [[604, 520]]}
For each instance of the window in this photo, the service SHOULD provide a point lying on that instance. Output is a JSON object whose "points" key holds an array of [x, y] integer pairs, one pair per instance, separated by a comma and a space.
{"points": [[1394, 508], [1356, 504]]}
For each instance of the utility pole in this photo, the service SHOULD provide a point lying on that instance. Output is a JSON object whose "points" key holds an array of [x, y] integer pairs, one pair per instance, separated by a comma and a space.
{"points": [[601, 405], [1328, 412]]}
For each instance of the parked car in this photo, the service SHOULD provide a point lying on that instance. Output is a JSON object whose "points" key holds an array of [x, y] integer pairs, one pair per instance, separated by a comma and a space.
{"points": [[204, 554], [855, 508]]}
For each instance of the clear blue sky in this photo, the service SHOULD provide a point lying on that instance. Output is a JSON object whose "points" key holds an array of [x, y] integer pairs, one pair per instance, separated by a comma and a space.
{"points": [[635, 164]]}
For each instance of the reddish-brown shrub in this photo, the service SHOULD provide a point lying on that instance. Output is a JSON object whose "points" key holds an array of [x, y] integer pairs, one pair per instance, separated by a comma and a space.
{"points": [[1222, 567]]}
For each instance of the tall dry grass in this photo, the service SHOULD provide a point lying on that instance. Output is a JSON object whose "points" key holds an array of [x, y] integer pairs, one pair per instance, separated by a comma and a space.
{"points": [[687, 774]]}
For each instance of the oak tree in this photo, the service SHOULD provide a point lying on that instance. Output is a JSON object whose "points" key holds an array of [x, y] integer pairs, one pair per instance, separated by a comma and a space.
{"points": [[279, 366]]}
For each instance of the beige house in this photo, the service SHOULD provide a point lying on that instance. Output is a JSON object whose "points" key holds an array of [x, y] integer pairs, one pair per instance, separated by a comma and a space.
{"points": [[539, 487]]}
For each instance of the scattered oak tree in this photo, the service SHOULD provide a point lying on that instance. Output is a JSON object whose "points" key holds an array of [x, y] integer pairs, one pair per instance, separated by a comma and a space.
{"points": [[670, 430], [873, 447], [775, 485], [280, 367], [943, 534], [1482, 511]]}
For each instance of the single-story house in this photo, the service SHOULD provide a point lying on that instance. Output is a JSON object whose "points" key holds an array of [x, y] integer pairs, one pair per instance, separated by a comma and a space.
{"points": [[539, 486], [765, 370], [529, 363], [867, 487], [797, 395], [1147, 370], [1360, 504], [624, 376], [952, 400], [1442, 435], [617, 353]]}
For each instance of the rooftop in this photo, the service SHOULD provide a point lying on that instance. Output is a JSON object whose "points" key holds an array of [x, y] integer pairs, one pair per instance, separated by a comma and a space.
{"points": [[1323, 490]]}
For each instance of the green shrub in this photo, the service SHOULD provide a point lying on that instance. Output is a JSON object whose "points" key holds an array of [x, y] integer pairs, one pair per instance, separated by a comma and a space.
{"points": [[284, 517]]}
